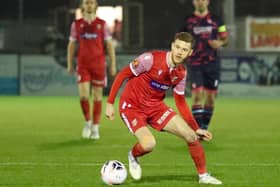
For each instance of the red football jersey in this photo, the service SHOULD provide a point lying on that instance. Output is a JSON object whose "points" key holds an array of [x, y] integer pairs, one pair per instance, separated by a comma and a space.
{"points": [[91, 37], [153, 77]]}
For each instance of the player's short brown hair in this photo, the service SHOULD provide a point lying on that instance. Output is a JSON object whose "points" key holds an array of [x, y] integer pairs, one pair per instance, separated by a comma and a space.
{"points": [[184, 36]]}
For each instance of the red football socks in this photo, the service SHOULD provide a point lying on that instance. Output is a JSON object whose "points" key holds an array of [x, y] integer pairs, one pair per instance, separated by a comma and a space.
{"points": [[198, 156], [138, 150], [97, 109], [85, 109]]}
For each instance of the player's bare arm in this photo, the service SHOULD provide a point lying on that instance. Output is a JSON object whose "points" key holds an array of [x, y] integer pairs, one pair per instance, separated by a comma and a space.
{"points": [[70, 56], [112, 56]]}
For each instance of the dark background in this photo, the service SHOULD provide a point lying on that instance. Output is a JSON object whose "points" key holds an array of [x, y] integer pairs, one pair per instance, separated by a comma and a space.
{"points": [[161, 18]]}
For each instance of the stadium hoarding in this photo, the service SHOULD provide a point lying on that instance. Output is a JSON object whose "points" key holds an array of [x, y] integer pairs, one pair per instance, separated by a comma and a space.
{"points": [[262, 34], [42, 75], [9, 74], [256, 69], [255, 75]]}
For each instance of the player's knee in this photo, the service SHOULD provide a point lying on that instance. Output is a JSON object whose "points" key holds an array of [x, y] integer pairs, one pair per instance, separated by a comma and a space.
{"points": [[197, 98], [148, 143], [84, 98], [190, 137]]}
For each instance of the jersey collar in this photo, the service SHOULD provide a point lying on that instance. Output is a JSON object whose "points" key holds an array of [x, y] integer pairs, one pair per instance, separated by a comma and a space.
{"points": [[168, 60]]}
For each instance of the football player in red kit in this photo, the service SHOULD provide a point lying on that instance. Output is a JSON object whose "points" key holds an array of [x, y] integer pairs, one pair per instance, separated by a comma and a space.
{"points": [[148, 77], [91, 33]]}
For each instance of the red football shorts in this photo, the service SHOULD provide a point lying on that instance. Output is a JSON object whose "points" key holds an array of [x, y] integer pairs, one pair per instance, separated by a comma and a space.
{"points": [[136, 117], [97, 76]]}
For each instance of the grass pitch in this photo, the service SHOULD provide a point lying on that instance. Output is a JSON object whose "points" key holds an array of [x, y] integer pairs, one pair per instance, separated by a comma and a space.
{"points": [[41, 145]]}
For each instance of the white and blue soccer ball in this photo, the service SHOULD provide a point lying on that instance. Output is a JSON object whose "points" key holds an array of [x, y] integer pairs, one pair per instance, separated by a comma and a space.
{"points": [[113, 172]]}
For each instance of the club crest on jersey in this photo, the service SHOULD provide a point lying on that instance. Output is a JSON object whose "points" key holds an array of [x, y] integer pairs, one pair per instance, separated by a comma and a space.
{"points": [[173, 79], [135, 63], [159, 72], [98, 26], [209, 21]]}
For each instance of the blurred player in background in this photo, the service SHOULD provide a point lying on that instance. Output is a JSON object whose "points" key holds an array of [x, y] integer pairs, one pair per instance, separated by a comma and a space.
{"points": [[204, 68], [148, 77], [92, 35]]}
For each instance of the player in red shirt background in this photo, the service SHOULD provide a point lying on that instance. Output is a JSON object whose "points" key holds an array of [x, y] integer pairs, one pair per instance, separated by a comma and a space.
{"points": [[210, 34], [92, 35], [141, 104]]}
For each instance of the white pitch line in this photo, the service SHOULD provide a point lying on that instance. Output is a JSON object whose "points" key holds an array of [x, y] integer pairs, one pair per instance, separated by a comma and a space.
{"points": [[145, 164]]}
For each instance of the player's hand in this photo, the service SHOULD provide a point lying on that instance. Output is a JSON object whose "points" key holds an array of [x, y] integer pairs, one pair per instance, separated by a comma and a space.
{"points": [[204, 134], [215, 44], [70, 69], [110, 112]]}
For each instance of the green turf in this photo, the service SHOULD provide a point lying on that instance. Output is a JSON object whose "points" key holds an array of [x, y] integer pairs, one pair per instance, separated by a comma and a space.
{"points": [[41, 145]]}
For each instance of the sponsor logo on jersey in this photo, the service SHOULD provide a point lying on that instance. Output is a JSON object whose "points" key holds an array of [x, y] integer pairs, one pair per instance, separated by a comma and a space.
{"points": [[89, 36], [159, 86], [203, 30]]}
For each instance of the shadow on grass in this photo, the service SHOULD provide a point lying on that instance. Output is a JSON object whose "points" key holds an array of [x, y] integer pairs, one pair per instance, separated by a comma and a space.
{"points": [[160, 179], [65, 144], [208, 146]]}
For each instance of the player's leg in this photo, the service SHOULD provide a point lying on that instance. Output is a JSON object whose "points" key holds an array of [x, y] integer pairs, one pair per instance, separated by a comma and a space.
{"points": [[177, 126], [84, 89], [145, 144], [97, 93], [210, 97], [136, 121], [196, 76], [98, 80], [212, 76]]}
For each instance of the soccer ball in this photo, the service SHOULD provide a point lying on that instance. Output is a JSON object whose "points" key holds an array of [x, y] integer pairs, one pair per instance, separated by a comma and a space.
{"points": [[113, 172]]}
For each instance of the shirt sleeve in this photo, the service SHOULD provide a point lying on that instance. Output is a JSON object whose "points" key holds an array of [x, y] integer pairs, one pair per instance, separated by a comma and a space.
{"points": [[73, 32], [178, 77], [180, 87], [124, 74], [222, 29], [107, 33], [185, 111], [141, 64]]}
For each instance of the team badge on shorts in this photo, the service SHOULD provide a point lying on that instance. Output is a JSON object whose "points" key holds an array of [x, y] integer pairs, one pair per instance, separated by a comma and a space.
{"points": [[134, 122]]}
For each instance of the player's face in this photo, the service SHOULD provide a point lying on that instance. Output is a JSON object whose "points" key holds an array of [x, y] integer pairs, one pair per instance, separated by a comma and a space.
{"points": [[89, 6], [200, 5], [180, 50]]}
